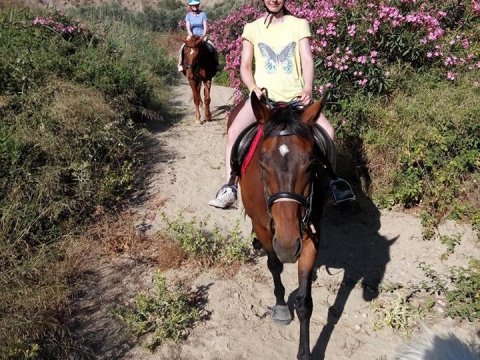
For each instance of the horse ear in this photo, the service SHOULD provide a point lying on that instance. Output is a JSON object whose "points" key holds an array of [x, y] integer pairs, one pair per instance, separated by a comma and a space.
{"points": [[260, 110], [311, 114]]}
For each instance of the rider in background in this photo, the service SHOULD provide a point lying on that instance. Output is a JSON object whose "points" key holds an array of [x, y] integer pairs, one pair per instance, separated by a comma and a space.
{"points": [[279, 43], [196, 24]]}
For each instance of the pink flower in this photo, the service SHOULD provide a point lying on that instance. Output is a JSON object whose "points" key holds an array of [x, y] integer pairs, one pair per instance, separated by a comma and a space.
{"points": [[362, 82], [351, 30], [362, 59], [451, 75], [476, 6]]}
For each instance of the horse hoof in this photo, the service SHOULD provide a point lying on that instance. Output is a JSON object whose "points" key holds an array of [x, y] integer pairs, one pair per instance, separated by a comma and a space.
{"points": [[281, 314]]}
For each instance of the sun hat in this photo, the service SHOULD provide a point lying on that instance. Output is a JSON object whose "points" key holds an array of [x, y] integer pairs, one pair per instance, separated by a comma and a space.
{"points": [[193, 2]]}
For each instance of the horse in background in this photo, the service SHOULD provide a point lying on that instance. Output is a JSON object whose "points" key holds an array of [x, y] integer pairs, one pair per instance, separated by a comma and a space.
{"points": [[284, 189], [199, 66]]}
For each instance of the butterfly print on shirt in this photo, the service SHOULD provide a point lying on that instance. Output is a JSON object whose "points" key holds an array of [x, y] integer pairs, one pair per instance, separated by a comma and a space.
{"points": [[284, 59]]}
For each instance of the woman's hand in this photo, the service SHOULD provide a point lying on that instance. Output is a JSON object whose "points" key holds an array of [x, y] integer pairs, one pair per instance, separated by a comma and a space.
{"points": [[259, 92], [306, 96]]}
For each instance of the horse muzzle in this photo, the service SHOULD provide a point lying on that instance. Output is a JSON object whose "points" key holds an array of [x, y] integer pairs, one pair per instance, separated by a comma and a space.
{"points": [[286, 229], [287, 254]]}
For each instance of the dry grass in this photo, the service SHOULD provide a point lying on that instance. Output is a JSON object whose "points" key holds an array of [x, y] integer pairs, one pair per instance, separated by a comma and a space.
{"points": [[171, 42], [122, 234]]}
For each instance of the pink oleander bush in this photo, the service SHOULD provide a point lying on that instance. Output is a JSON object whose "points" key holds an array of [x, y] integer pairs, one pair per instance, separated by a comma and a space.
{"points": [[355, 42], [62, 25]]}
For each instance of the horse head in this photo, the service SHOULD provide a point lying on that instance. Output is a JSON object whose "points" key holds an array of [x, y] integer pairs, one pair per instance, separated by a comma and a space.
{"points": [[288, 163], [191, 52]]}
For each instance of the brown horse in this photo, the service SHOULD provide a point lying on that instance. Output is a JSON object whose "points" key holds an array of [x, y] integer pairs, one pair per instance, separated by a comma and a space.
{"points": [[283, 191], [199, 66]]}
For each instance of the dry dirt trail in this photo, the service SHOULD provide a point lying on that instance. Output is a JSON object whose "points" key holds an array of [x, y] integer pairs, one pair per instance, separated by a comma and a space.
{"points": [[359, 250]]}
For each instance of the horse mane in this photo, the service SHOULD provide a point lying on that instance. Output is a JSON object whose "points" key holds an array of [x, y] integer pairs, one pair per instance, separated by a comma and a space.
{"points": [[191, 42], [288, 120]]}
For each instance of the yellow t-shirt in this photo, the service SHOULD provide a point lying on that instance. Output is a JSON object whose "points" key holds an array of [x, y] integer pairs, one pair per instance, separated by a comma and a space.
{"points": [[277, 55]]}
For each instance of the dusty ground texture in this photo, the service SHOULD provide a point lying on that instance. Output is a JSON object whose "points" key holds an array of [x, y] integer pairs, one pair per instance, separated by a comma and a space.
{"points": [[362, 247]]}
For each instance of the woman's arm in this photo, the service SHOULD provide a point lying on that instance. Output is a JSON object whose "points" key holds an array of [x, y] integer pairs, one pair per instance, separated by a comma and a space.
{"points": [[246, 69], [308, 70], [189, 29], [204, 35]]}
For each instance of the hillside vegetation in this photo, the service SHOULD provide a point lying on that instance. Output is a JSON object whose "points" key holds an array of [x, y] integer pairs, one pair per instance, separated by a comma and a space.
{"points": [[403, 83], [73, 98]]}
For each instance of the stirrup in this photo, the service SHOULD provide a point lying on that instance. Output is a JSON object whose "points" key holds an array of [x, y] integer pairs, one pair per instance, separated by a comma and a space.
{"points": [[342, 194]]}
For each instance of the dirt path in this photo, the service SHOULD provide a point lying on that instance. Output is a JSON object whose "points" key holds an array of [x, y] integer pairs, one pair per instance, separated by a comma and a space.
{"points": [[360, 249]]}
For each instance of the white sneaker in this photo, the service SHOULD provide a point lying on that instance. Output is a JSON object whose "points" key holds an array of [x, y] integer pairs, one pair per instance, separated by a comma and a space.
{"points": [[225, 198], [180, 68]]}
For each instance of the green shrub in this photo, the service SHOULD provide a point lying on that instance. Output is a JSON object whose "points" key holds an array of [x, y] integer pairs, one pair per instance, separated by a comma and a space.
{"points": [[208, 245], [164, 19], [464, 298], [32, 52], [164, 315], [399, 313], [461, 289], [422, 146]]}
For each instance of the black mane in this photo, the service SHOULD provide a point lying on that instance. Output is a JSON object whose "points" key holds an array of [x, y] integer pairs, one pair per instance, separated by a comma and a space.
{"points": [[287, 121]]}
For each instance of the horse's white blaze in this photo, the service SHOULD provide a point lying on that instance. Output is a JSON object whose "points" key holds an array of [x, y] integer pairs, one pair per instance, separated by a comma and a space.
{"points": [[283, 149], [191, 51]]}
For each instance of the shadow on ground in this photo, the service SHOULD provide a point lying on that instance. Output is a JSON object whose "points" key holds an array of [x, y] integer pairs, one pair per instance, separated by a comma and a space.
{"points": [[351, 241]]}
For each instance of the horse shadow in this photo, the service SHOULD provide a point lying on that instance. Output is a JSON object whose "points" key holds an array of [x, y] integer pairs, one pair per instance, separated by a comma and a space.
{"points": [[350, 240]]}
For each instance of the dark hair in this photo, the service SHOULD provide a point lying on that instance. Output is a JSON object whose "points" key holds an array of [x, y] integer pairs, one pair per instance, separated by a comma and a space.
{"points": [[270, 14]]}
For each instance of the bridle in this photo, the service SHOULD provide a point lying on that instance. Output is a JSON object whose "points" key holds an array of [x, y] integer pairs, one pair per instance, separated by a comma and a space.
{"points": [[305, 201], [191, 65]]}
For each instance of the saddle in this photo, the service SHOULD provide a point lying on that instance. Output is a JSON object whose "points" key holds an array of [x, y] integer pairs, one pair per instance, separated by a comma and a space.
{"points": [[244, 147]]}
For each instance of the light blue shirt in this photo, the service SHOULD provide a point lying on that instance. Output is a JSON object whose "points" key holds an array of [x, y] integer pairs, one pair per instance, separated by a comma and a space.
{"points": [[196, 22]]}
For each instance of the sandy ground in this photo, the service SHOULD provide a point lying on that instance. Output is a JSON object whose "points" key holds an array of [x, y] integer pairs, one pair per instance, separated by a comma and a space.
{"points": [[362, 247]]}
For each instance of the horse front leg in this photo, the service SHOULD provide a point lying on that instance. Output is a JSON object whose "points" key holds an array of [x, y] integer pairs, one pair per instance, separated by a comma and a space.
{"points": [[280, 312], [206, 99], [196, 85], [303, 297]]}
